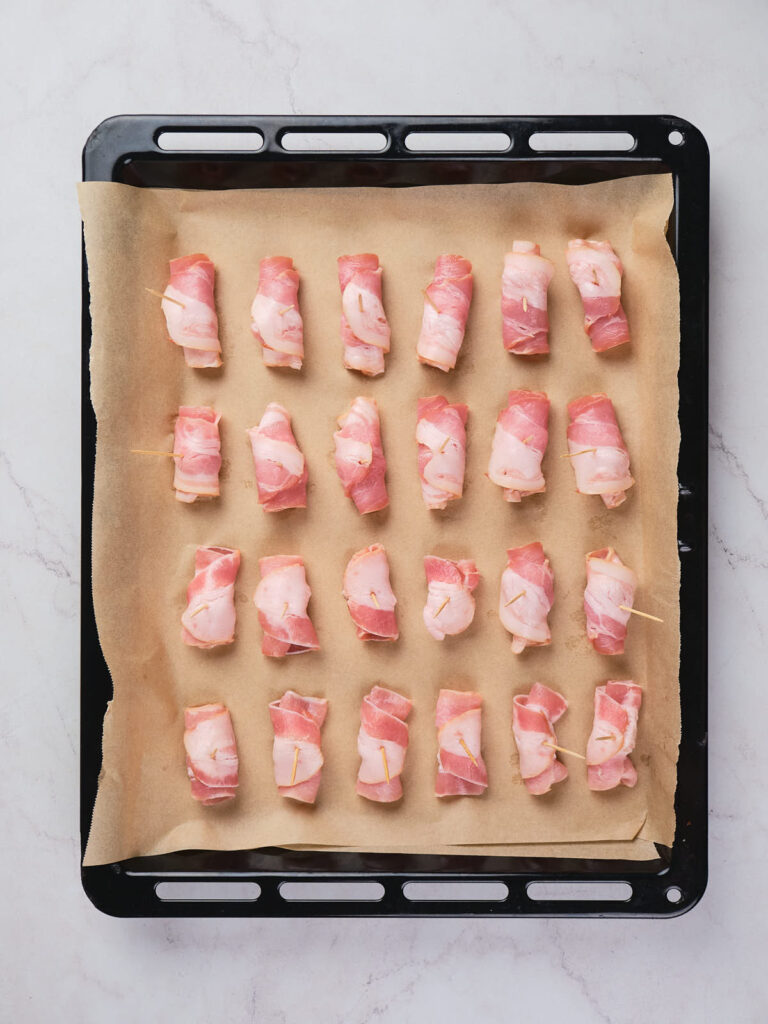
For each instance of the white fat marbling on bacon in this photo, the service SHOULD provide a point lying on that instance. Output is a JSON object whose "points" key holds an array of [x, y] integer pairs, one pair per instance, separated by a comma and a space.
{"points": [[524, 284], [281, 470], [446, 307], [209, 618], [442, 439], [191, 319], [369, 595], [596, 271], [364, 328], [281, 598], [519, 443], [275, 318], [359, 456], [196, 441]]}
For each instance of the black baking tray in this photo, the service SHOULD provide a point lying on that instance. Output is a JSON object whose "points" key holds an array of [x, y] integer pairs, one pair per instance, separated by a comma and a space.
{"points": [[125, 149]]}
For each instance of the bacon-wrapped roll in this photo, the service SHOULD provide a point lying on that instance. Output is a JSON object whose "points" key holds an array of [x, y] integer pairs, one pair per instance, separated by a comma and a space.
{"points": [[364, 328], [360, 460], [381, 743], [446, 307], [282, 597], [450, 605], [190, 312], [196, 441], [600, 458], [596, 271], [527, 595], [533, 718], [524, 284], [442, 438], [461, 770], [610, 584], [369, 595], [281, 471], [275, 318], [519, 443], [209, 742], [296, 753], [209, 619], [614, 731]]}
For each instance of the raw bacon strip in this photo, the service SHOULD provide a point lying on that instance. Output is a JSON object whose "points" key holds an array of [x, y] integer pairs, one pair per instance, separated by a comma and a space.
{"points": [[617, 705], [596, 271], [450, 605], [281, 470], [282, 597], [609, 584], [519, 444], [296, 752], [442, 437], [212, 765], [461, 770], [191, 319], [275, 318], [446, 306], [524, 284], [364, 328], [527, 595], [360, 460], [533, 718], [369, 595], [604, 471], [196, 440], [381, 743], [209, 619]]}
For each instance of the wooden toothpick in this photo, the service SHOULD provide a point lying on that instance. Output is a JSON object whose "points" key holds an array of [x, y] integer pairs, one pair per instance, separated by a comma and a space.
{"points": [[295, 763], [284, 310], [645, 615], [360, 301], [384, 759], [162, 295], [428, 297], [441, 449], [513, 599], [146, 451], [525, 304], [200, 608], [572, 455], [445, 602], [527, 440], [604, 737], [469, 752], [375, 599], [285, 609], [564, 750]]}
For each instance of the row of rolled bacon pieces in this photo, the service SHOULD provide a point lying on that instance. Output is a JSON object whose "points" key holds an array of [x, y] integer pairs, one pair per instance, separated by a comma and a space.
{"points": [[382, 742], [597, 452], [525, 600], [192, 323]]}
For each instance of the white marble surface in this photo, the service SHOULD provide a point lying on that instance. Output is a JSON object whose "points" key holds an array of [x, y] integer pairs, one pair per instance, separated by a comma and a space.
{"points": [[64, 68]]}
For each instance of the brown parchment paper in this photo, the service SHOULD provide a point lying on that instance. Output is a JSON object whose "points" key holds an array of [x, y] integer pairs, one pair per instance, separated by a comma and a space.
{"points": [[144, 540]]}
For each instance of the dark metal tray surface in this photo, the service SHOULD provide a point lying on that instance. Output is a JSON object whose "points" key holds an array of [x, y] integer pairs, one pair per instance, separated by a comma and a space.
{"points": [[125, 149]]}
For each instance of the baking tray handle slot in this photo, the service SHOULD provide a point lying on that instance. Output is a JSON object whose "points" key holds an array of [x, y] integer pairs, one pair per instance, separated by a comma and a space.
{"points": [[195, 892], [333, 142], [458, 142], [331, 892], [582, 142], [458, 892], [578, 892], [173, 141]]}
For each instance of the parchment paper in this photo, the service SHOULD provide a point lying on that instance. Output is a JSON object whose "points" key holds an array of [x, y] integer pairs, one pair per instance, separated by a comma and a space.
{"points": [[144, 540]]}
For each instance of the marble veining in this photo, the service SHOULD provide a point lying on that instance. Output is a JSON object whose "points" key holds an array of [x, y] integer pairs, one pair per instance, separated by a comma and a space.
{"points": [[66, 67]]}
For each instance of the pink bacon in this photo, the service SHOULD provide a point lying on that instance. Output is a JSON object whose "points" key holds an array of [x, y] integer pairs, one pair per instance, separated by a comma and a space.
{"points": [[282, 597], [381, 743], [275, 318], [519, 443], [524, 283], [461, 770], [360, 460], [196, 441], [209, 619], [450, 606], [600, 457], [610, 584], [364, 328], [190, 312], [446, 307], [296, 753], [533, 718], [369, 595], [617, 706], [527, 595], [212, 764], [281, 470], [596, 271], [442, 438]]}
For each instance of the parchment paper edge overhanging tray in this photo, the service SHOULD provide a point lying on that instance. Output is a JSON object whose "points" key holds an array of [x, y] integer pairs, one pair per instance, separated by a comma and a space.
{"points": [[126, 150]]}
